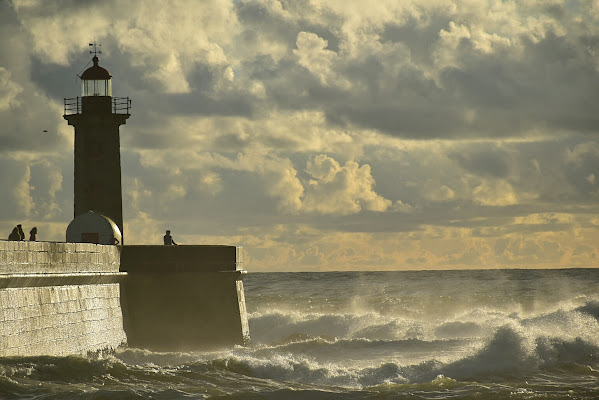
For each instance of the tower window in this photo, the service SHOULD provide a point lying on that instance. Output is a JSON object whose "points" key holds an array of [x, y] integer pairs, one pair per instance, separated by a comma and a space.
{"points": [[91, 87]]}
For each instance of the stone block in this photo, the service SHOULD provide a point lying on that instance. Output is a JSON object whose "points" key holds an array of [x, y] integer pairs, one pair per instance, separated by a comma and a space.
{"points": [[12, 297], [56, 258], [13, 342], [48, 319], [54, 296], [20, 303], [70, 247], [45, 296], [21, 257], [43, 257], [94, 258], [34, 312], [52, 247], [4, 301], [10, 258], [73, 306], [71, 258]]}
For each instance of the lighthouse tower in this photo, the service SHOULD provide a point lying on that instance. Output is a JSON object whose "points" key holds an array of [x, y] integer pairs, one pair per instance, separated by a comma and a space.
{"points": [[96, 116]]}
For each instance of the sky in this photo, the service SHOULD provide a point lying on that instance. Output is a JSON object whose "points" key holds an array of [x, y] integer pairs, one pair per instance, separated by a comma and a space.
{"points": [[321, 134]]}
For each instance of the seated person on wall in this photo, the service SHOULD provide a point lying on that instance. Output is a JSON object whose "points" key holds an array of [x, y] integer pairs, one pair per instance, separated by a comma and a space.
{"points": [[33, 234], [168, 239], [21, 233], [14, 235]]}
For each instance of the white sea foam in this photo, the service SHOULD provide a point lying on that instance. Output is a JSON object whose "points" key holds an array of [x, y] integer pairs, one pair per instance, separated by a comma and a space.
{"points": [[404, 343], [511, 351]]}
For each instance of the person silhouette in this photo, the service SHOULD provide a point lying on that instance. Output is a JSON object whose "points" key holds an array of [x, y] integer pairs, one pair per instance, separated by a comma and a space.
{"points": [[33, 234], [168, 239], [14, 235], [21, 233]]}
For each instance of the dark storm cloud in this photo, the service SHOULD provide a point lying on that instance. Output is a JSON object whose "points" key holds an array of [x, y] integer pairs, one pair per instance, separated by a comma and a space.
{"points": [[30, 128], [582, 171], [554, 85], [419, 36], [53, 79], [404, 120], [281, 24], [197, 103], [549, 82], [259, 20], [485, 161]]}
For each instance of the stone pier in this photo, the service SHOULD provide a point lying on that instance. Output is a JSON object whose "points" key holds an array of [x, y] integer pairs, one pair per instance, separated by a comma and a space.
{"points": [[59, 298], [73, 298]]}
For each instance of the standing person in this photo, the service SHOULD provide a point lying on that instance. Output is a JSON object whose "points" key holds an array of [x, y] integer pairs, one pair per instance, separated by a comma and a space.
{"points": [[14, 235], [168, 239], [21, 233], [33, 234]]}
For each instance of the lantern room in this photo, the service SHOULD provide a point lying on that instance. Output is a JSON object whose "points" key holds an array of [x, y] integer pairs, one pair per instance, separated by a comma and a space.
{"points": [[96, 81]]}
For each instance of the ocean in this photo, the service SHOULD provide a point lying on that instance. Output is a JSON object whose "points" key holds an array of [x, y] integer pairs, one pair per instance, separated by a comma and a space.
{"points": [[477, 334]]}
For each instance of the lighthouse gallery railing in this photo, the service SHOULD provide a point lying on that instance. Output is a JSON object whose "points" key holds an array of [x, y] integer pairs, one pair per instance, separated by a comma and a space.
{"points": [[120, 105]]}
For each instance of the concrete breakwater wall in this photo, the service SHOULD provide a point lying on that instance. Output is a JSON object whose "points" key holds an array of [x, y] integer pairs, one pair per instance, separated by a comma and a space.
{"points": [[73, 298], [179, 298], [59, 298]]}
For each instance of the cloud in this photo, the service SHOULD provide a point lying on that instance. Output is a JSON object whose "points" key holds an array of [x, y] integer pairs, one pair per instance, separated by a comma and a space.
{"points": [[499, 193], [8, 90], [321, 134], [582, 165], [35, 190], [312, 54], [21, 194], [343, 190], [486, 160]]}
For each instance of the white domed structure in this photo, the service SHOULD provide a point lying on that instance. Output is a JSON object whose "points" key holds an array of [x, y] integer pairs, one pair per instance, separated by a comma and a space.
{"points": [[92, 227]]}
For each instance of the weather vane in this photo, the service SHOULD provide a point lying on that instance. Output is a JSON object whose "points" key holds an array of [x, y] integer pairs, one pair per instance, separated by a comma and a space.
{"points": [[95, 52]]}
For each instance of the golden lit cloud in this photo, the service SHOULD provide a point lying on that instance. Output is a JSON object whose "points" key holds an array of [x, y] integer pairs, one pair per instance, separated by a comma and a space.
{"points": [[321, 134]]}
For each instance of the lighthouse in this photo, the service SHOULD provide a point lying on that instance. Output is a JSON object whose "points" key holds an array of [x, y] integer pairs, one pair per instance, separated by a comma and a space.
{"points": [[96, 117]]}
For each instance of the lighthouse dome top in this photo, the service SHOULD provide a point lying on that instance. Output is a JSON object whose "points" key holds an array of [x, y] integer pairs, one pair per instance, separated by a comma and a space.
{"points": [[96, 72], [96, 81]]}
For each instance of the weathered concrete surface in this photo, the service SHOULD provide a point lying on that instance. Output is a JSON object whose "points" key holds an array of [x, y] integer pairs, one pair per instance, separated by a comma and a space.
{"points": [[178, 298], [54, 257], [59, 298]]}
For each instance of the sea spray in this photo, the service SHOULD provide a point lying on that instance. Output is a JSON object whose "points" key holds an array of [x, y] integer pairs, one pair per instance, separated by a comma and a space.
{"points": [[387, 335]]}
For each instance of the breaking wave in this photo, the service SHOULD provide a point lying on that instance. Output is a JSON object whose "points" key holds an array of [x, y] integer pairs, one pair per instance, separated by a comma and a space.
{"points": [[353, 348]]}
